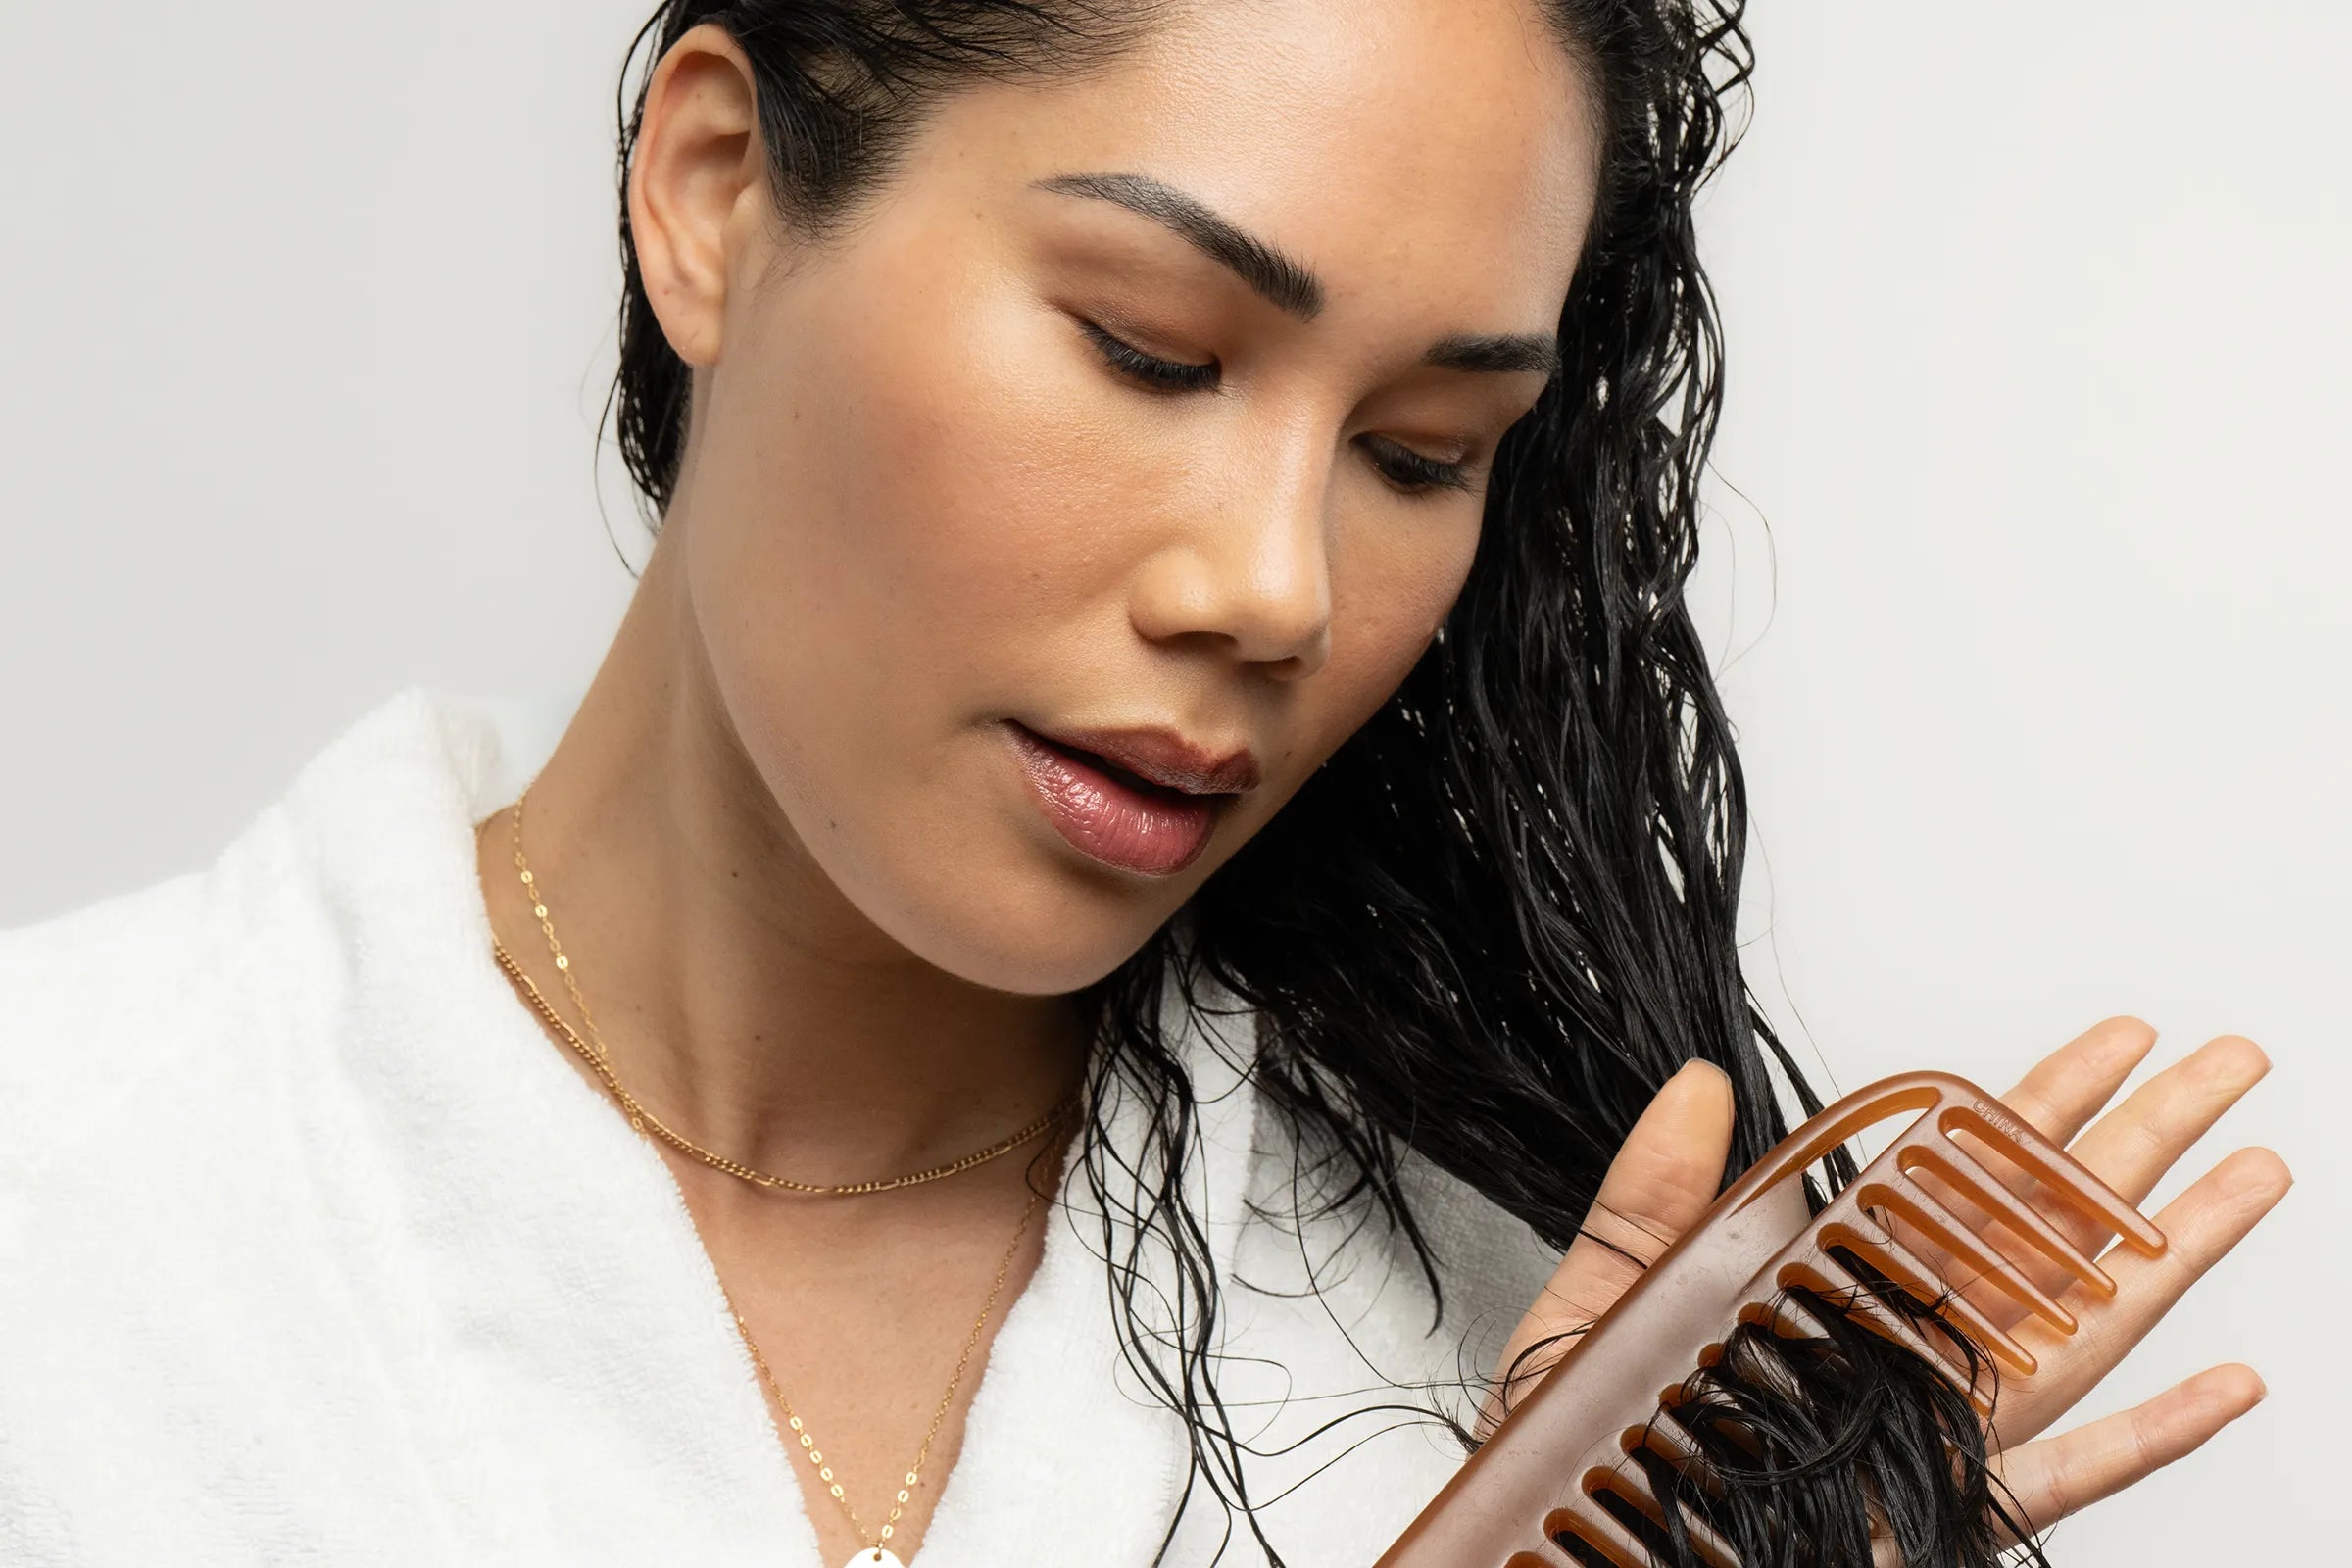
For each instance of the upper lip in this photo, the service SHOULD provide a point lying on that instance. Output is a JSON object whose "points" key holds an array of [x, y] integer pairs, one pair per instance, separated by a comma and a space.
{"points": [[1166, 755]]}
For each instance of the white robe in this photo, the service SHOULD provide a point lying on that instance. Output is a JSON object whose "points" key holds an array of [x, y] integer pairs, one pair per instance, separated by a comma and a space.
{"points": [[314, 1249]]}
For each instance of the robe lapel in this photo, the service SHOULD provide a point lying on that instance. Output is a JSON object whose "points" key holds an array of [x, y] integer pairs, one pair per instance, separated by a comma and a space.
{"points": [[572, 1371], [1070, 1461], [567, 1328]]}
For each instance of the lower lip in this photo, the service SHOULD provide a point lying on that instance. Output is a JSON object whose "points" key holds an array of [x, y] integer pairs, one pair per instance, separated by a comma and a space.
{"points": [[1151, 831]]}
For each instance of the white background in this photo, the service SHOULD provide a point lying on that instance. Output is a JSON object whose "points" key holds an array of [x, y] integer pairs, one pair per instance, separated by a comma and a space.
{"points": [[2026, 551]]}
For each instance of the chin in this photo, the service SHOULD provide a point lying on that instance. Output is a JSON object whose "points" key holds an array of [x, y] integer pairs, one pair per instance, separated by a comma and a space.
{"points": [[1050, 932], [994, 906]]}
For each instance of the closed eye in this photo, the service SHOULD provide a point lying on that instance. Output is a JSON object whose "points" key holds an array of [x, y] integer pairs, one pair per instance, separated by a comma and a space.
{"points": [[1410, 471], [1153, 372], [1417, 474]]}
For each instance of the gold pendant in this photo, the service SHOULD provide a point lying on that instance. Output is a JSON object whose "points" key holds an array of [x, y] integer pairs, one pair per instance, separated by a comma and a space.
{"points": [[874, 1558]]}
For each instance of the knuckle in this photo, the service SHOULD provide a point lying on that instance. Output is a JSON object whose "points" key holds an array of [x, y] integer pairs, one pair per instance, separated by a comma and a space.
{"points": [[2143, 1443], [1624, 1231], [2152, 1139]]}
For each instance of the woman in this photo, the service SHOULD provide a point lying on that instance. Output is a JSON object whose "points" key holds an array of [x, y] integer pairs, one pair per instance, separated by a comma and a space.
{"points": [[1158, 748]]}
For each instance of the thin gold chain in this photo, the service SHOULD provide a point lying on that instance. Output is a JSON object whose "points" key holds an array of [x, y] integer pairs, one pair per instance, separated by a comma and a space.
{"points": [[816, 1455], [593, 1051]]}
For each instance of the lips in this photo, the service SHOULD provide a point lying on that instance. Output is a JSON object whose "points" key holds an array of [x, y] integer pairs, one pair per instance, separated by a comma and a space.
{"points": [[1110, 813], [1159, 754]]}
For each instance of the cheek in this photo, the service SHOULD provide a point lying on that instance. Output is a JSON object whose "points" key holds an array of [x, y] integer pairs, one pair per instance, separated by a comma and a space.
{"points": [[879, 526], [984, 517], [904, 528], [1393, 581]]}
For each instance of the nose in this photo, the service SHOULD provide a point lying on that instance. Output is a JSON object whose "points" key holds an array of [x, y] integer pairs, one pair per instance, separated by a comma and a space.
{"points": [[1249, 564]]}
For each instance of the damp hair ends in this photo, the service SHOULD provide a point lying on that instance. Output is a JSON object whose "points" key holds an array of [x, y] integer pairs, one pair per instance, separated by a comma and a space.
{"points": [[1815, 1445], [1502, 914]]}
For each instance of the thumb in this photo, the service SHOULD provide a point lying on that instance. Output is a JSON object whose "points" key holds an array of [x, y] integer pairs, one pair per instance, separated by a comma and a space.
{"points": [[1662, 1180]]}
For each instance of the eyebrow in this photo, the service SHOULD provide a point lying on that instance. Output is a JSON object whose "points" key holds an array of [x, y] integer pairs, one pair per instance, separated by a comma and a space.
{"points": [[1285, 281]]}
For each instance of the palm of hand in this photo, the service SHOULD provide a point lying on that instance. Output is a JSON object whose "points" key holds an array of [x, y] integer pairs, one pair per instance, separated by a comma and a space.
{"points": [[1664, 1178]]}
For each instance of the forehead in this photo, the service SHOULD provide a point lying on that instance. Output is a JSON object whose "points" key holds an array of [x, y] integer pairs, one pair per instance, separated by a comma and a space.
{"points": [[1390, 145]]}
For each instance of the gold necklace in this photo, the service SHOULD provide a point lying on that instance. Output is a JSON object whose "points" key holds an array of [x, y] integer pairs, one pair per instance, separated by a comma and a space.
{"points": [[592, 1051], [873, 1554]]}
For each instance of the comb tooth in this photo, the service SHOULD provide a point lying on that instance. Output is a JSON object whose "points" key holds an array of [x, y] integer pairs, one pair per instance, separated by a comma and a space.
{"points": [[1925, 1211], [2024, 1221], [1795, 1320], [1862, 1302], [1681, 1443], [1634, 1486], [1902, 1332], [1678, 1443], [1712, 1546], [2068, 1181], [1981, 1395], [1733, 1431], [1918, 1276], [1678, 1446], [1598, 1527], [1628, 1481], [1547, 1554], [1955, 1165]]}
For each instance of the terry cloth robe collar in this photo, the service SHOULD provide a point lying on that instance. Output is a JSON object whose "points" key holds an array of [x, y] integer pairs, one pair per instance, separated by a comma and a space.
{"points": [[483, 1098], [313, 1247]]}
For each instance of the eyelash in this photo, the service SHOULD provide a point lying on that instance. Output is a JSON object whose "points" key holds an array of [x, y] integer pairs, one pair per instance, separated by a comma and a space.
{"points": [[1415, 474]]}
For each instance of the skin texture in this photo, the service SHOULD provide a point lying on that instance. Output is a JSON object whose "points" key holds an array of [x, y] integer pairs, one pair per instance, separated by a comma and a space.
{"points": [[822, 926]]}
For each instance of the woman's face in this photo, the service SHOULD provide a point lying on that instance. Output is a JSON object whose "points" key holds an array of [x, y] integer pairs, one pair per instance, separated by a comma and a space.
{"points": [[928, 514]]}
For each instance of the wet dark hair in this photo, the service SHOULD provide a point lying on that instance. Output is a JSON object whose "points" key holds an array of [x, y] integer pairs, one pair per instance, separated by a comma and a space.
{"points": [[1502, 914]]}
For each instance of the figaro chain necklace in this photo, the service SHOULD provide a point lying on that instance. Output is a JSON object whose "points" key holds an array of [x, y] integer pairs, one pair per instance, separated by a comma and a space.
{"points": [[876, 1553]]}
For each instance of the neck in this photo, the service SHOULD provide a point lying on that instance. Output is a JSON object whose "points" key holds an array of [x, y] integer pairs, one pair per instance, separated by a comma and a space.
{"points": [[741, 996]]}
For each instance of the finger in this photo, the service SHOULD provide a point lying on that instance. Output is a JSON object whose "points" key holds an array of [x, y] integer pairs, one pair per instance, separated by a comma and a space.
{"points": [[2066, 1088], [1662, 1180], [2200, 1226], [2130, 1149], [2136, 1143], [2059, 1476], [2058, 1095]]}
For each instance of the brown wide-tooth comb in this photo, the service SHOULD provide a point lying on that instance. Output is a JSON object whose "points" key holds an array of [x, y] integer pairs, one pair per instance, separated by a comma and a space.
{"points": [[1575, 1434]]}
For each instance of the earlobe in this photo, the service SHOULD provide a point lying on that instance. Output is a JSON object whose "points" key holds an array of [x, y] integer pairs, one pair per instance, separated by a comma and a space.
{"points": [[698, 156]]}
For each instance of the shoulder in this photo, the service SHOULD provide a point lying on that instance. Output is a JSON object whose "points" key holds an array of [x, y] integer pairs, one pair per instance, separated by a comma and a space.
{"points": [[200, 994], [95, 1003]]}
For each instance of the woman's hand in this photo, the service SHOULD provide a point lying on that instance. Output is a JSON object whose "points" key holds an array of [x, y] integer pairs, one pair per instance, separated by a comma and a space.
{"points": [[1664, 1178]]}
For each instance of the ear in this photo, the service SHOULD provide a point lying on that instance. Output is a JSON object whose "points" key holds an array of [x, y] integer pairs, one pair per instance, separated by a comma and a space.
{"points": [[697, 188]]}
